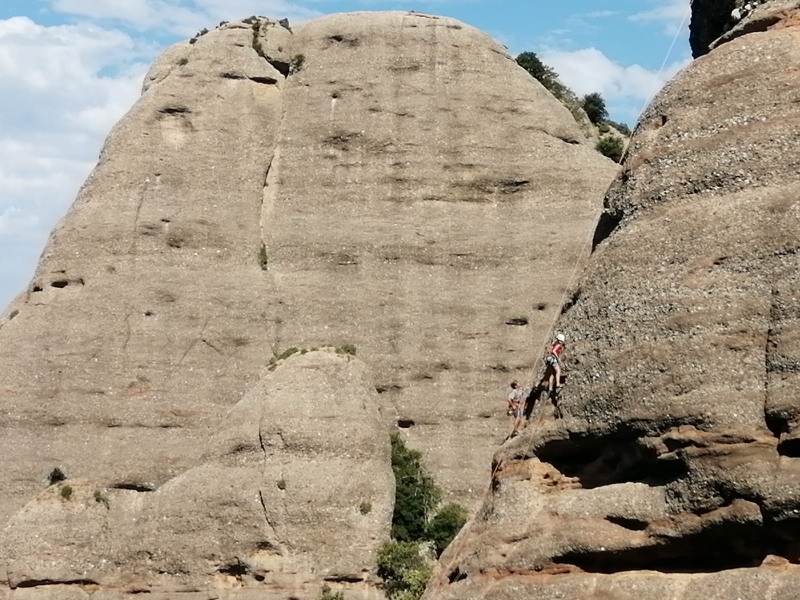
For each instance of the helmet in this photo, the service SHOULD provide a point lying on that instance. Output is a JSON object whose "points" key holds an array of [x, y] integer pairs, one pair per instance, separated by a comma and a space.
{"points": [[561, 338]]}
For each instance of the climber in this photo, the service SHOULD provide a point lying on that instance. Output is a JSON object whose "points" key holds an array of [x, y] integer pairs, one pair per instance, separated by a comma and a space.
{"points": [[516, 398], [552, 373]]}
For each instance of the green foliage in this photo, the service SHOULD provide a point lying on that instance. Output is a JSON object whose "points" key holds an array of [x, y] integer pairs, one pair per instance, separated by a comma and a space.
{"points": [[296, 63], [545, 75], [445, 526], [56, 476], [346, 349], [183, 62], [327, 594], [416, 493], [66, 492], [250, 20], [595, 106], [263, 259], [404, 571], [365, 508], [611, 146], [603, 128], [102, 498], [621, 127]]}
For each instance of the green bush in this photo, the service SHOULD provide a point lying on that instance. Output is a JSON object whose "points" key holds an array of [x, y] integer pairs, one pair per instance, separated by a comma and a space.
{"points": [[66, 492], [416, 494], [296, 63], [327, 594], [404, 571], [621, 127], [365, 508], [445, 526], [347, 349], [102, 498], [545, 75], [611, 146], [595, 106]]}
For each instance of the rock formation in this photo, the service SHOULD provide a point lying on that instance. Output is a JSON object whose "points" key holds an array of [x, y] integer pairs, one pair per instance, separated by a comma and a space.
{"points": [[391, 181], [716, 21], [673, 470], [267, 511]]}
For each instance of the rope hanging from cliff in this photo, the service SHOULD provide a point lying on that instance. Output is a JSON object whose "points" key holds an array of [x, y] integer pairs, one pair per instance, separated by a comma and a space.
{"points": [[589, 237]]}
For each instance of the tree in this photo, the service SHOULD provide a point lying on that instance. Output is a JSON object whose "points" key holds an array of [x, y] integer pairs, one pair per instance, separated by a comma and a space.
{"points": [[445, 526], [595, 107], [621, 127], [612, 147], [404, 571], [416, 494], [540, 71]]}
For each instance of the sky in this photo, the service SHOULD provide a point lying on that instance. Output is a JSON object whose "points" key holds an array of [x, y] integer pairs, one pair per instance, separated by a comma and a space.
{"points": [[69, 69]]}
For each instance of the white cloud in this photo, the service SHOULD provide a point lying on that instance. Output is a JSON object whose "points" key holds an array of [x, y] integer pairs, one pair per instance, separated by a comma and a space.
{"points": [[182, 17], [589, 70], [63, 89], [671, 13]]}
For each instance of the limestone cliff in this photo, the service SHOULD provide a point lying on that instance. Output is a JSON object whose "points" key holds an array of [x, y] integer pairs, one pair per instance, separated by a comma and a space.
{"points": [[388, 180], [672, 470]]}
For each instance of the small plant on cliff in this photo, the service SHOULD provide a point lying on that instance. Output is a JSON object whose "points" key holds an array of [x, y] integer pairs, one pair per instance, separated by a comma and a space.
{"points": [[263, 259], [612, 147], [66, 492], [365, 508], [346, 349], [56, 476], [296, 63], [101, 498], [327, 594]]}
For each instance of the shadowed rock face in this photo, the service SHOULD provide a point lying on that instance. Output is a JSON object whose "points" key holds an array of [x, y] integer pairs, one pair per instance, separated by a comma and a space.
{"points": [[407, 189], [673, 470]]}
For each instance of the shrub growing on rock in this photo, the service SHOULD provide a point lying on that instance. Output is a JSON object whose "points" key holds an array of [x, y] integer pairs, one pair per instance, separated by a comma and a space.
{"points": [[445, 526], [612, 147], [595, 106], [416, 493], [404, 570]]}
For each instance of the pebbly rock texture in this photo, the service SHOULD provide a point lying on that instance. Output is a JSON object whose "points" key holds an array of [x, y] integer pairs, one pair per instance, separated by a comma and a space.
{"points": [[392, 181], [267, 512], [673, 470]]}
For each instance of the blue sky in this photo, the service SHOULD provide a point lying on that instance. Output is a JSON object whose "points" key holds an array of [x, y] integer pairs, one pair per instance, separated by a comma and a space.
{"points": [[69, 69]]}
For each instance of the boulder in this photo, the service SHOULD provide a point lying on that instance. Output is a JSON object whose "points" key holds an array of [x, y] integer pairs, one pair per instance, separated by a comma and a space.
{"points": [[277, 505]]}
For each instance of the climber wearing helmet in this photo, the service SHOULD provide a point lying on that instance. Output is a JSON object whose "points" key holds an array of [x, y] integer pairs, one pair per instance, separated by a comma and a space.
{"points": [[553, 364]]}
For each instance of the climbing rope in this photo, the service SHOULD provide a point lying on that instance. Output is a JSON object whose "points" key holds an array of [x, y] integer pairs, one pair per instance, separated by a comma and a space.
{"points": [[548, 334], [461, 538]]}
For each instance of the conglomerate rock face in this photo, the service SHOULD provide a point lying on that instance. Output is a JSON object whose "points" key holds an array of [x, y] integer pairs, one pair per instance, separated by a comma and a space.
{"points": [[268, 511], [392, 181], [671, 470]]}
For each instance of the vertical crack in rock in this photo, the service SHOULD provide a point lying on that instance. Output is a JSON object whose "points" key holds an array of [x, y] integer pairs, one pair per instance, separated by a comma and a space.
{"points": [[773, 424]]}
